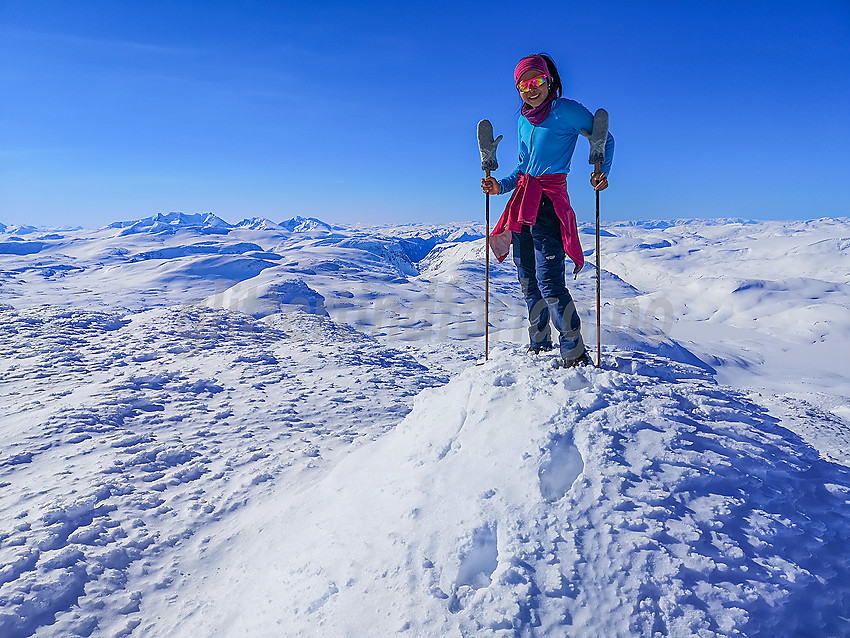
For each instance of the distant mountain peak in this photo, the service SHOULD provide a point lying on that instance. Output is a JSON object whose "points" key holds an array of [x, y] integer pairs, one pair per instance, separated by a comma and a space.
{"points": [[299, 224], [169, 223], [18, 229], [259, 223], [195, 219]]}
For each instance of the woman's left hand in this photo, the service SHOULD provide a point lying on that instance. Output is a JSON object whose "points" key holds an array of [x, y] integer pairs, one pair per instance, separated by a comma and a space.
{"points": [[599, 181]]}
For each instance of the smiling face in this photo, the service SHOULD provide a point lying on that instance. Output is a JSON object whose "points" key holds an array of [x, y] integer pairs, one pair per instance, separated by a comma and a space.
{"points": [[535, 97]]}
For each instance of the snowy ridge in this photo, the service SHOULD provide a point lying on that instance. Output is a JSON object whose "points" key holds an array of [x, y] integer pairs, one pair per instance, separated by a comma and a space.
{"points": [[519, 500], [177, 258]]}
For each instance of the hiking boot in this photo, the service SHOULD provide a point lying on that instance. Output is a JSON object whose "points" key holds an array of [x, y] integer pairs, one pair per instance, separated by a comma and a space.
{"points": [[583, 360], [537, 348]]}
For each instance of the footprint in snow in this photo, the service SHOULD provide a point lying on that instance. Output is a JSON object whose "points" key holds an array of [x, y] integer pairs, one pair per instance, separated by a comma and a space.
{"points": [[561, 466], [479, 558]]}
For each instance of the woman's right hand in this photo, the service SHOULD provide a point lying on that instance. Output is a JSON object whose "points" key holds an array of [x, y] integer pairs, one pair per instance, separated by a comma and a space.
{"points": [[490, 186]]}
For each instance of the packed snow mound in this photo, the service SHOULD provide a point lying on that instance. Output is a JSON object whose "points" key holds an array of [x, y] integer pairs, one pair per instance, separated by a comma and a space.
{"points": [[524, 500], [270, 298]]}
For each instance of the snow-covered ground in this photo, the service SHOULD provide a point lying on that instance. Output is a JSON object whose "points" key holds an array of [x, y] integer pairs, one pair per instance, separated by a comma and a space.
{"points": [[277, 429]]}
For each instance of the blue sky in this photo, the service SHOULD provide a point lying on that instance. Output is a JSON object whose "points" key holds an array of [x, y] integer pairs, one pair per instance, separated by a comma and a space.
{"points": [[367, 111]]}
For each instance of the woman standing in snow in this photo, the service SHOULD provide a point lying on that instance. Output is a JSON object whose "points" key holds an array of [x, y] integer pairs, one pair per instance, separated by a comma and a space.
{"points": [[538, 221]]}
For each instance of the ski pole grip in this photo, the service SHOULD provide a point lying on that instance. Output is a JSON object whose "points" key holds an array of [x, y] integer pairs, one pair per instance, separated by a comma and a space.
{"points": [[487, 145]]}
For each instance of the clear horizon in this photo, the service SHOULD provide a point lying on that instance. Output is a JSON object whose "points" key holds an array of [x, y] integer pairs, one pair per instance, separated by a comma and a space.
{"points": [[367, 114]]}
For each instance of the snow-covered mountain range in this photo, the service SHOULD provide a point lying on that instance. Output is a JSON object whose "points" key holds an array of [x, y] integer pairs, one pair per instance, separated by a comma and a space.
{"points": [[278, 429]]}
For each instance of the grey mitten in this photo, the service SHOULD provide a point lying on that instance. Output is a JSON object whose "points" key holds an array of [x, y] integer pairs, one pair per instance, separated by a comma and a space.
{"points": [[487, 146], [598, 137]]}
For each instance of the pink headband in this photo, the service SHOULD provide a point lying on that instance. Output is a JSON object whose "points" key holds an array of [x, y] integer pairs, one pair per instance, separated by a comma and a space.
{"points": [[532, 62]]}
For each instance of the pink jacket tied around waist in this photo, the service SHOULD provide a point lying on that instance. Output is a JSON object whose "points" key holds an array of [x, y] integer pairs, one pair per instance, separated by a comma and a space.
{"points": [[522, 211]]}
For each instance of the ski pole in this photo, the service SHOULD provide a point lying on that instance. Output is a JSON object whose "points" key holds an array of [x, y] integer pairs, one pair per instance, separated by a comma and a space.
{"points": [[598, 138], [487, 145], [598, 285], [487, 272]]}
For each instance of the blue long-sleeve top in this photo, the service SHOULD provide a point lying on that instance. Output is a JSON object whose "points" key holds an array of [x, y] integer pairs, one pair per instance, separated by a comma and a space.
{"points": [[548, 147]]}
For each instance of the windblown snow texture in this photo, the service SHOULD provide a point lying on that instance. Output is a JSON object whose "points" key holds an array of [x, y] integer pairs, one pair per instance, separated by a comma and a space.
{"points": [[527, 502], [275, 428]]}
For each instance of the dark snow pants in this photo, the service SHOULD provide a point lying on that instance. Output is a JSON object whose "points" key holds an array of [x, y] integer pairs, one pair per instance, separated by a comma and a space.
{"points": [[539, 257]]}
